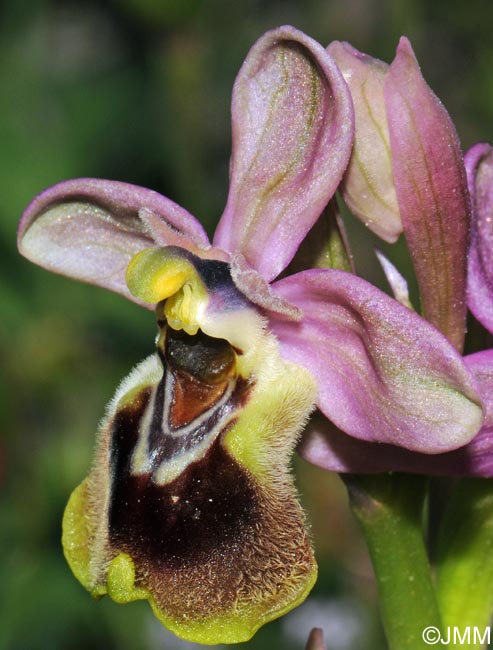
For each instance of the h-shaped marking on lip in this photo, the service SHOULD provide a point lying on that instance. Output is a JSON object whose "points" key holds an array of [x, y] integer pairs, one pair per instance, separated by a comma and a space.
{"points": [[166, 451]]}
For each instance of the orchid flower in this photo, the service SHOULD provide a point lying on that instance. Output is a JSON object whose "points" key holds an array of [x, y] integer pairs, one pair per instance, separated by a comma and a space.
{"points": [[406, 174], [190, 503]]}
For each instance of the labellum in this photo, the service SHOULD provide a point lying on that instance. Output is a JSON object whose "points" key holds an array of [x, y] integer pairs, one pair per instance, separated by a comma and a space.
{"points": [[190, 503]]}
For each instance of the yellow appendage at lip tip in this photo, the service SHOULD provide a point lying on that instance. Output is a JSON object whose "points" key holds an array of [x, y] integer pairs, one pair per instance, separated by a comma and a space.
{"points": [[121, 580]]}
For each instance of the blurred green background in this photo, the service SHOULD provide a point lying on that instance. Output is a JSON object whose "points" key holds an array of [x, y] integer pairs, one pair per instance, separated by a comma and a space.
{"points": [[139, 91]]}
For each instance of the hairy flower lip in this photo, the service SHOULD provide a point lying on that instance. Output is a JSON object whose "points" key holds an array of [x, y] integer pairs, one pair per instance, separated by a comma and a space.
{"points": [[243, 447]]}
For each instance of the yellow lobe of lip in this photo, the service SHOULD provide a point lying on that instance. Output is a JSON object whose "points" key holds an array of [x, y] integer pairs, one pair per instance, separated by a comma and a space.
{"points": [[157, 274]]}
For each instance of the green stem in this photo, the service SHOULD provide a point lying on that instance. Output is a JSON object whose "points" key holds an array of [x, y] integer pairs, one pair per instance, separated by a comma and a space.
{"points": [[465, 559], [389, 509]]}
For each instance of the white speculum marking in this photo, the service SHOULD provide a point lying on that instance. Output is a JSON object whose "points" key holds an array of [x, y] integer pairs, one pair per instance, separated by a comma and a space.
{"points": [[166, 451]]}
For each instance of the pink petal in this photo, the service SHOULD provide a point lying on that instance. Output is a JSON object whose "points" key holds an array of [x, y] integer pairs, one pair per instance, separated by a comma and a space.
{"points": [[327, 447], [292, 136], [432, 192], [368, 184], [479, 167], [89, 229], [384, 373]]}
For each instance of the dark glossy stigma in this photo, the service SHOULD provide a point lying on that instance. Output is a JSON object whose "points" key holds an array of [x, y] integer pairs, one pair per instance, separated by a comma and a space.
{"points": [[207, 359]]}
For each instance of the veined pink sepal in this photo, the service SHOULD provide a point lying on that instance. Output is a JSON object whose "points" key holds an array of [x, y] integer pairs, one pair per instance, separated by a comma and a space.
{"points": [[432, 192], [292, 137], [89, 229]]}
